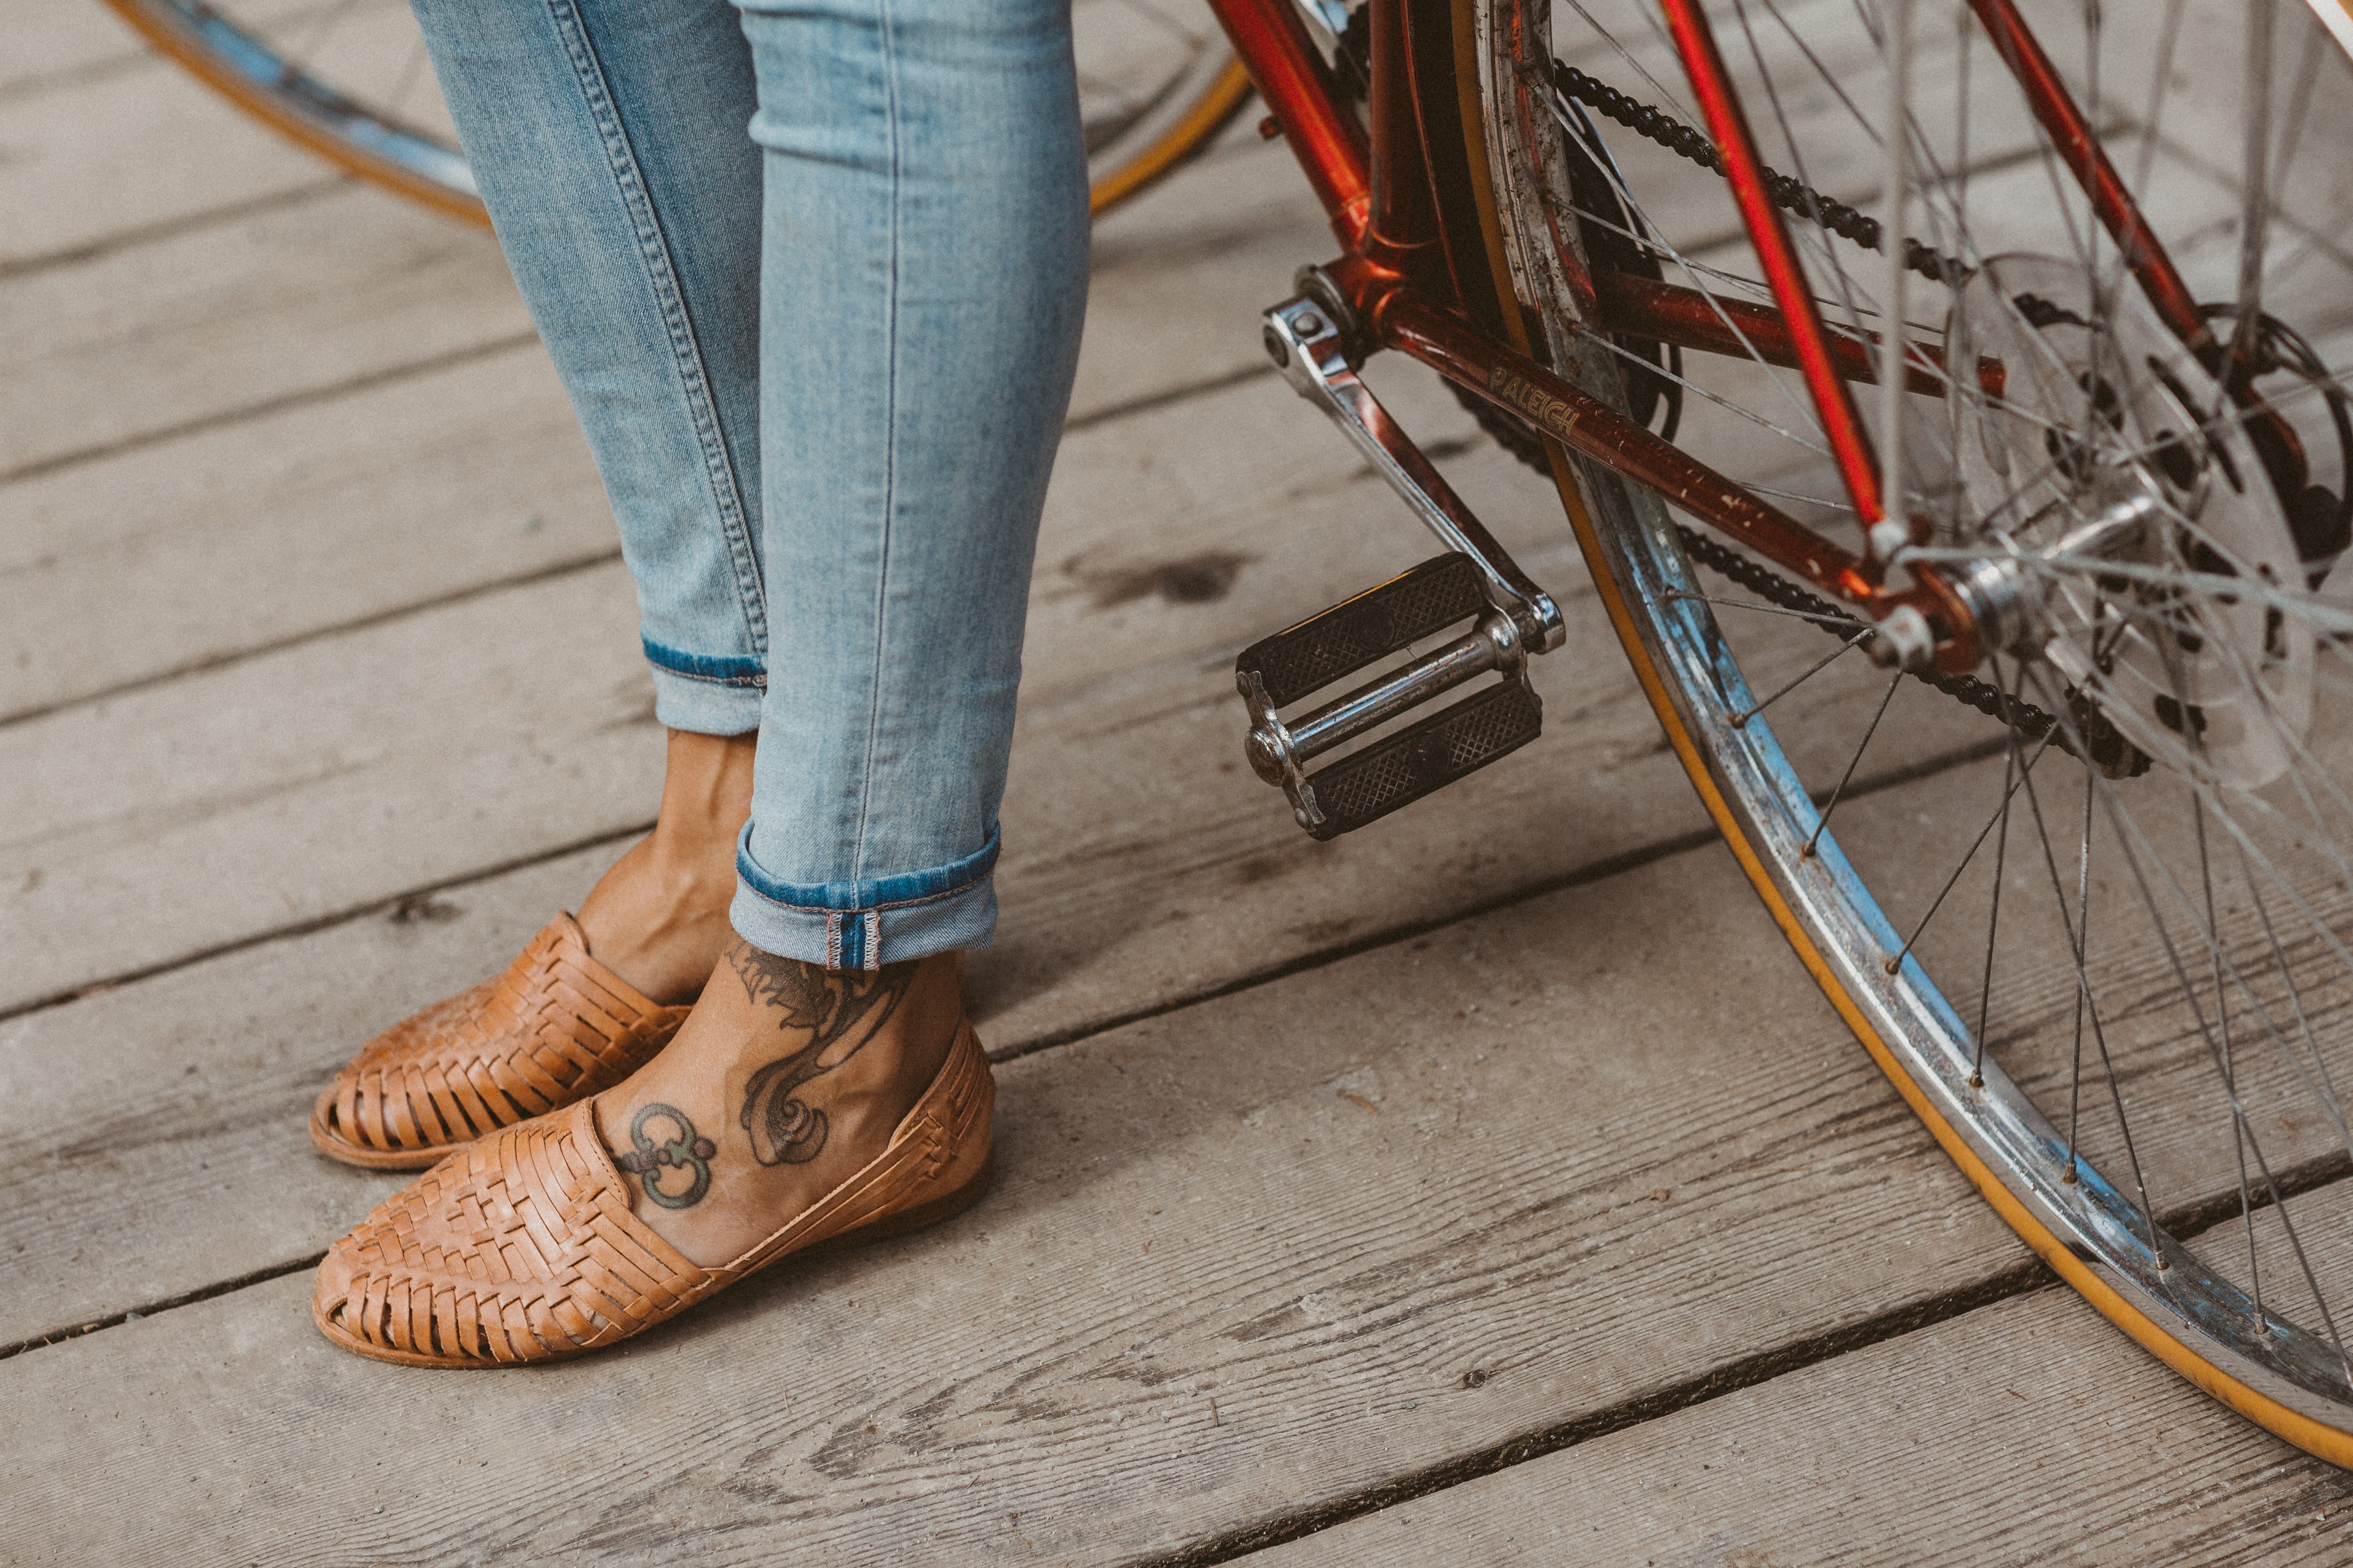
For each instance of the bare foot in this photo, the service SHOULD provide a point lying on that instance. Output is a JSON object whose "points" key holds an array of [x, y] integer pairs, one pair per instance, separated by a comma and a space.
{"points": [[787, 1079], [658, 918]]}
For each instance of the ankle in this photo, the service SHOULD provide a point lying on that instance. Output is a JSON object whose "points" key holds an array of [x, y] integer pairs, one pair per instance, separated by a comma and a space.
{"points": [[706, 797], [658, 918]]}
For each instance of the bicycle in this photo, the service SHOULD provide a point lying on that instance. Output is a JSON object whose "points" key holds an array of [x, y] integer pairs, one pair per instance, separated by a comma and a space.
{"points": [[349, 80], [2079, 529], [2085, 484]]}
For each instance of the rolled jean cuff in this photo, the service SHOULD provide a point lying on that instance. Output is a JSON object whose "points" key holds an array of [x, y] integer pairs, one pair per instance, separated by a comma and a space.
{"points": [[862, 925], [704, 695]]}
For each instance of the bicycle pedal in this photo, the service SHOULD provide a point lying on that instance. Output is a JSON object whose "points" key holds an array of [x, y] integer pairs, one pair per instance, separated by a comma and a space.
{"points": [[1434, 752], [1417, 602]]}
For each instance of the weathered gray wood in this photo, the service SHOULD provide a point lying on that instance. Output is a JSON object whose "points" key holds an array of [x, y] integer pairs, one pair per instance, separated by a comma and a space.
{"points": [[1144, 865], [167, 557], [1362, 1197], [178, 818], [54, 45], [143, 1105], [1182, 272], [175, 818], [176, 555], [118, 152], [206, 323], [2025, 1432]]}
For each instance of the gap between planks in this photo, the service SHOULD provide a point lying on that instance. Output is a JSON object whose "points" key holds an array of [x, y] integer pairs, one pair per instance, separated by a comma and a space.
{"points": [[1112, 414]]}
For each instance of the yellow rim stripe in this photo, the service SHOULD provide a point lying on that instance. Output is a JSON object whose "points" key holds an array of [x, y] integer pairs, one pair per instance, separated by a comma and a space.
{"points": [[254, 102]]}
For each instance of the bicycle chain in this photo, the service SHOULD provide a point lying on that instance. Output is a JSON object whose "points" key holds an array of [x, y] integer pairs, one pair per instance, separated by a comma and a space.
{"points": [[2031, 722], [1789, 194]]}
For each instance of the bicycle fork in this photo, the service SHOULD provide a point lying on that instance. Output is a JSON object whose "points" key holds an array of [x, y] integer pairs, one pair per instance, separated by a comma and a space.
{"points": [[1475, 580]]}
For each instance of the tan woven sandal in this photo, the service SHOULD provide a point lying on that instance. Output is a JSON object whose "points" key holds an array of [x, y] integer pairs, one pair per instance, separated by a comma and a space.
{"points": [[524, 1247], [557, 1027]]}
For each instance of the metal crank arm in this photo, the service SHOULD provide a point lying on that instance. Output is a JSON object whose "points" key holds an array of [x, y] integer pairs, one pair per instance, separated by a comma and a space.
{"points": [[1475, 582], [1306, 345]]}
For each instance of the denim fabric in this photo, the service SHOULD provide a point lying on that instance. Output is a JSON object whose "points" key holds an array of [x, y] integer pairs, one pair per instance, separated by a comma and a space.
{"points": [[823, 367]]}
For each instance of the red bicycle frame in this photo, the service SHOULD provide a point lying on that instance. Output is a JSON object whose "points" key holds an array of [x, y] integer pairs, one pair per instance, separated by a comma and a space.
{"points": [[1413, 270]]}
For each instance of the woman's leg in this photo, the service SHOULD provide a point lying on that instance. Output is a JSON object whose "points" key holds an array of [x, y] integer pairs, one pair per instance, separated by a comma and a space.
{"points": [[922, 289], [923, 278], [607, 137], [923, 285]]}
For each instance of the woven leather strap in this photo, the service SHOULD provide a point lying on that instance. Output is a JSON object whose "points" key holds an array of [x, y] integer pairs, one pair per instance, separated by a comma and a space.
{"points": [[521, 1249], [555, 1027], [524, 1247]]}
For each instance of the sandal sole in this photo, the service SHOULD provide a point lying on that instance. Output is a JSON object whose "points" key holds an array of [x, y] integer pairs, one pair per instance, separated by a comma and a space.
{"points": [[367, 1159]]}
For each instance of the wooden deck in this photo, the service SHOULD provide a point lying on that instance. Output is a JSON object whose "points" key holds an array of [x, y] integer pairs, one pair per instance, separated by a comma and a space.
{"points": [[1414, 1199]]}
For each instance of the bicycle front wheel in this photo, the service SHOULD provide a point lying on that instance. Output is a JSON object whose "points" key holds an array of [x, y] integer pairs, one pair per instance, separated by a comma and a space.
{"points": [[350, 81], [2091, 909]]}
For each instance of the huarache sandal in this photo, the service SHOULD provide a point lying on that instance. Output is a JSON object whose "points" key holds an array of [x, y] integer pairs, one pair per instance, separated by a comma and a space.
{"points": [[524, 1247], [557, 1028]]}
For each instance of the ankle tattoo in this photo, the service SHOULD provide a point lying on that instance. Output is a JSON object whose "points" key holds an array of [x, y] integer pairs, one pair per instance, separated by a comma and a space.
{"points": [[690, 1152], [840, 1010]]}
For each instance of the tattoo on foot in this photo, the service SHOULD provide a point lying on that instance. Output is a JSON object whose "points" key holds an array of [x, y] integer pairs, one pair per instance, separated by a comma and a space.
{"points": [[841, 1010], [689, 1152]]}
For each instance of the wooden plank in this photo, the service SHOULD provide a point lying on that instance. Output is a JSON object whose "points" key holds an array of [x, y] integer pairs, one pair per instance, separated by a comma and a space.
{"points": [[219, 319], [55, 46], [2027, 1431], [178, 555], [227, 1058], [1144, 865], [118, 152], [178, 818], [508, 685], [1361, 1198], [429, 490], [1182, 272]]}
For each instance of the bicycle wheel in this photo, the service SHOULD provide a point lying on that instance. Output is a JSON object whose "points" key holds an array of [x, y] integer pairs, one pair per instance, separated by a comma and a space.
{"points": [[2094, 917], [349, 79]]}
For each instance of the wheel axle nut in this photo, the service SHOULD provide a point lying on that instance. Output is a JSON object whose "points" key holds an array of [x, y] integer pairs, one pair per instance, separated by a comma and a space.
{"points": [[1887, 537], [1903, 639]]}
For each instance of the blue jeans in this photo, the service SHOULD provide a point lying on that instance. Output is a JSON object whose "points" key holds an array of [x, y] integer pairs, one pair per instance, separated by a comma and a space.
{"points": [[823, 367]]}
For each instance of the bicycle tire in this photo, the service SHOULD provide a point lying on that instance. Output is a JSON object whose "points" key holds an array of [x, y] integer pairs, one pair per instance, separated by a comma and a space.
{"points": [[396, 153], [2108, 1243]]}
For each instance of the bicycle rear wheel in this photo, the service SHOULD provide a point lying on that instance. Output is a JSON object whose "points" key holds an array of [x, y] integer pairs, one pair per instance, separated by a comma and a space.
{"points": [[349, 80], [2103, 949]]}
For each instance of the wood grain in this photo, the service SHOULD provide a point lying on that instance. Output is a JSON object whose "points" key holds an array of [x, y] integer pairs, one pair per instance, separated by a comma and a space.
{"points": [[117, 155], [179, 555], [2028, 1431], [203, 325]]}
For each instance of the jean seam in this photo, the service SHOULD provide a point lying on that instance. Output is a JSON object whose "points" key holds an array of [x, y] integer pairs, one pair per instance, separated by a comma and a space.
{"points": [[661, 657], [975, 885], [747, 682], [887, 38], [686, 351]]}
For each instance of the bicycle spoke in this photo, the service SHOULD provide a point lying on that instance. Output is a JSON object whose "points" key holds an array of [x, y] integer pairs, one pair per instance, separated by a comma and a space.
{"points": [[1857, 640]]}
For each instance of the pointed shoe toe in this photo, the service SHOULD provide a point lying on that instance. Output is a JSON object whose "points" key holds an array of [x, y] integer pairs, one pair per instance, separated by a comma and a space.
{"points": [[554, 1028]]}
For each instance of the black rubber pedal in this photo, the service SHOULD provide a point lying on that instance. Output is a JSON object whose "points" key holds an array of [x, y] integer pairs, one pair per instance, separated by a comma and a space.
{"points": [[1354, 633], [1399, 769]]}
